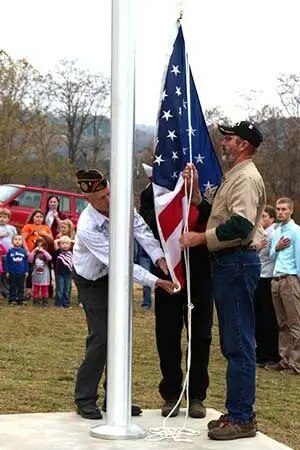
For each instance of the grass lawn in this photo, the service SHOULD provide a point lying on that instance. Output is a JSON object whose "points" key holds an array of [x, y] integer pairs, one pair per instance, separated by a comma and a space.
{"points": [[41, 348]]}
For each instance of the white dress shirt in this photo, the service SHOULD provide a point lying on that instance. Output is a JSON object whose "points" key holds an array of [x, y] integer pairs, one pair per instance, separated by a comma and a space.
{"points": [[91, 248], [267, 263]]}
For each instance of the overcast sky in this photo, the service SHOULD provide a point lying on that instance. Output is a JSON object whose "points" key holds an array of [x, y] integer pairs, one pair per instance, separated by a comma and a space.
{"points": [[233, 46]]}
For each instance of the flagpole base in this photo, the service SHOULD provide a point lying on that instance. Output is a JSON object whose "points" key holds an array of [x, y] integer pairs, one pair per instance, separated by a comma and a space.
{"points": [[117, 432]]}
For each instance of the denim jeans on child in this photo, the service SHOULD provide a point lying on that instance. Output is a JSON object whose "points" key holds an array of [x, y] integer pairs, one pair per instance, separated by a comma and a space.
{"points": [[16, 288], [235, 276], [63, 288]]}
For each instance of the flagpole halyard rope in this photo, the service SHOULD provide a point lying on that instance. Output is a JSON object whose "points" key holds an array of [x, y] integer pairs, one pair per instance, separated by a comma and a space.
{"points": [[182, 434]]}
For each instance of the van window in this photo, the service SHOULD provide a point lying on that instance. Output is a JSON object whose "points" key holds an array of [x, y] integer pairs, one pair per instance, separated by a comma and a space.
{"points": [[29, 199], [64, 203], [80, 204], [6, 191]]}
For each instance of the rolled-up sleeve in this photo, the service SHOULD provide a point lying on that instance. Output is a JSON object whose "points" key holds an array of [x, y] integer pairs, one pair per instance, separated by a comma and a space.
{"points": [[242, 203]]}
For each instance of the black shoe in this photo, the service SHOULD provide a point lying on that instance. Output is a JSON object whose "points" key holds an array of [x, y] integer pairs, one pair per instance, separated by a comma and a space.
{"points": [[196, 409], [136, 410], [168, 407], [89, 412]]}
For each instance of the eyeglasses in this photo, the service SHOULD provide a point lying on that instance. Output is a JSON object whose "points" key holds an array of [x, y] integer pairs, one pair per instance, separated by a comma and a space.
{"points": [[91, 180]]}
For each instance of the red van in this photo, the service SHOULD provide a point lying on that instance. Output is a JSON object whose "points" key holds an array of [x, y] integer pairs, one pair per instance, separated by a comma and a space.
{"points": [[21, 200]]}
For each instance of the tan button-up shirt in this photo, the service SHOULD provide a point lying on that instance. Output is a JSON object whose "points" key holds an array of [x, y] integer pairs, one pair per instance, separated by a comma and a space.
{"points": [[242, 192]]}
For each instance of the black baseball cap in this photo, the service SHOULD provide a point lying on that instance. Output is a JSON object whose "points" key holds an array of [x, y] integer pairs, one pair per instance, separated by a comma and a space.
{"points": [[245, 130]]}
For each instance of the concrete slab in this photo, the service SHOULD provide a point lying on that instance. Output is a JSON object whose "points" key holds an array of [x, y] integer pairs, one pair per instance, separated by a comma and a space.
{"points": [[68, 431]]}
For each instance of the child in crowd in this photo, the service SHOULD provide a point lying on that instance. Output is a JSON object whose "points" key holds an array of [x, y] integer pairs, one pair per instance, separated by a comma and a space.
{"points": [[16, 267], [40, 258], [66, 228], [7, 232], [63, 270], [3, 282]]}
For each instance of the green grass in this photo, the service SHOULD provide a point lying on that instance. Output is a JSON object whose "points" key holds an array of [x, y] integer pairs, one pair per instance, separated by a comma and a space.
{"points": [[41, 348]]}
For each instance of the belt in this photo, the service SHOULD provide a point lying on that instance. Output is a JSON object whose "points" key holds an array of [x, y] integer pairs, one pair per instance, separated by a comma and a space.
{"points": [[240, 248], [283, 277]]}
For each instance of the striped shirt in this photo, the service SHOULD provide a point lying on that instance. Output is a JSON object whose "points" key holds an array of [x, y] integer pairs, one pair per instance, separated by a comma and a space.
{"points": [[64, 261]]}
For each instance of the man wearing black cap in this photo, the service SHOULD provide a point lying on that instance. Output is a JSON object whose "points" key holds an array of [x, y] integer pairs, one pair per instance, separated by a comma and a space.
{"points": [[233, 220], [91, 261]]}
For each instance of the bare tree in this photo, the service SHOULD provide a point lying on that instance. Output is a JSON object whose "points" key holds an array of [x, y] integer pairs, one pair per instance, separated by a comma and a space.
{"points": [[278, 157], [47, 161], [215, 115], [76, 96], [95, 144], [19, 112], [289, 93]]}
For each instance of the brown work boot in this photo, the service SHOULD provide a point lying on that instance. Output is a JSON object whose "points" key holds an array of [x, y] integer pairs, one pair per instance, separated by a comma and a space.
{"points": [[228, 430], [196, 409], [216, 423], [168, 406]]}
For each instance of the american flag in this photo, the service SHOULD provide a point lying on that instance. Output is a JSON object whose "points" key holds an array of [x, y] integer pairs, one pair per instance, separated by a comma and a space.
{"points": [[182, 137]]}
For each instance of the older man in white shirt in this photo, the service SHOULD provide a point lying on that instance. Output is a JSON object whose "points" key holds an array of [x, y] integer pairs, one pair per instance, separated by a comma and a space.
{"points": [[91, 262]]}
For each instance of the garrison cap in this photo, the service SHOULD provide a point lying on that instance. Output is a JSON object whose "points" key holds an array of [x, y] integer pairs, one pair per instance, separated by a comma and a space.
{"points": [[91, 180]]}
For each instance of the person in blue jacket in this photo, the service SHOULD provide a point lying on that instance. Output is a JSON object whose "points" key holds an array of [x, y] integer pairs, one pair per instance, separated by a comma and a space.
{"points": [[16, 268]]}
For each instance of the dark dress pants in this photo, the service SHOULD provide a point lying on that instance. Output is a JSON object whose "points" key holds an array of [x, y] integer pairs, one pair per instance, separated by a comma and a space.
{"points": [[94, 297], [170, 317], [266, 327]]}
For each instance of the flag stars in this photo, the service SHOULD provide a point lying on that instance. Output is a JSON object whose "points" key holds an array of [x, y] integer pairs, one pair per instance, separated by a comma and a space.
{"points": [[174, 175], [184, 150], [178, 91], [164, 95], [158, 160], [174, 155], [167, 115], [191, 131], [199, 159], [208, 185], [175, 70], [184, 103], [171, 135]]}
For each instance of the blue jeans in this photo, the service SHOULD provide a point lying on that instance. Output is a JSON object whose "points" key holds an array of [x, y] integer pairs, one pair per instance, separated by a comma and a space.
{"points": [[235, 277], [63, 287], [145, 262], [16, 287]]}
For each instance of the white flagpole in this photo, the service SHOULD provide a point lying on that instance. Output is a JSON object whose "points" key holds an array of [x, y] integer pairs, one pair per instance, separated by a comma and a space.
{"points": [[118, 424]]}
